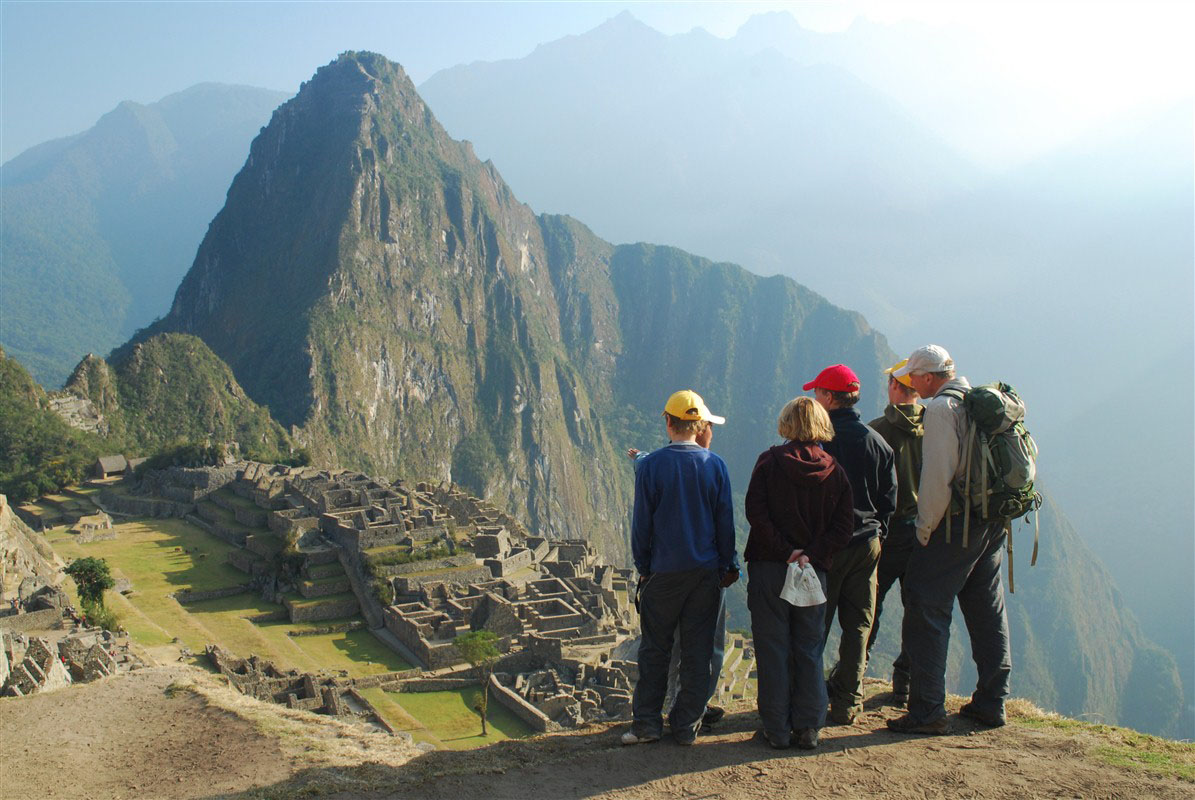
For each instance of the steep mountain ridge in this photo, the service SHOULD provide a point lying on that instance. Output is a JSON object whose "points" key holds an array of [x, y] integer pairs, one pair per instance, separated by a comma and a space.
{"points": [[391, 297]]}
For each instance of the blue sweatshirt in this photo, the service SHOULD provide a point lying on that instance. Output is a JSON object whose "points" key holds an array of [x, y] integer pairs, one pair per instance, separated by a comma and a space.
{"points": [[683, 517]]}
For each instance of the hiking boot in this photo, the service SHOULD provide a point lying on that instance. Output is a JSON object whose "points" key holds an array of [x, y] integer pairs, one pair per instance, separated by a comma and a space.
{"points": [[713, 714], [630, 737], [842, 716], [972, 711], [687, 736], [807, 738], [774, 742], [906, 724]]}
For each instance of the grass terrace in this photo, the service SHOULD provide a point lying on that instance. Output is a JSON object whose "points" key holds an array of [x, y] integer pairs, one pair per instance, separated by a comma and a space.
{"points": [[163, 556], [235, 500], [447, 719], [322, 571]]}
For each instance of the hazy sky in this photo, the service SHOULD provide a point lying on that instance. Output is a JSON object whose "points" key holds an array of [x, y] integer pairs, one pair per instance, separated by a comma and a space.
{"points": [[63, 64]]}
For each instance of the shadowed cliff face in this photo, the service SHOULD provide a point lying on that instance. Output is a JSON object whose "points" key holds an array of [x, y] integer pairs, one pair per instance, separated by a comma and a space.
{"points": [[378, 287]]}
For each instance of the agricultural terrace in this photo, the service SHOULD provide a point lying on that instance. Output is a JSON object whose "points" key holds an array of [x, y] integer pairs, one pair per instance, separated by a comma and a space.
{"points": [[162, 556]]}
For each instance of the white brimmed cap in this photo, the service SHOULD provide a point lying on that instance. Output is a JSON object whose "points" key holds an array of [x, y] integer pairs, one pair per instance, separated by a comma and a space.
{"points": [[931, 358]]}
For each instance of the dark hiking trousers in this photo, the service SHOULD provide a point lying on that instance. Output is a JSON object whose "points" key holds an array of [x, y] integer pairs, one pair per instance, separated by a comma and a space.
{"points": [[936, 575], [852, 593], [894, 560], [669, 601], [716, 659], [788, 653]]}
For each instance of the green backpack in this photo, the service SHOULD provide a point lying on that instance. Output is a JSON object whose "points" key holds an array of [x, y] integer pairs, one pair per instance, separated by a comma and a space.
{"points": [[1001, 459]]}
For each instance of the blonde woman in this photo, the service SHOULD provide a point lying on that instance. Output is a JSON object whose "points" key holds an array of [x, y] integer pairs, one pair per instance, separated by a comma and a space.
{"points": [[800, 510]]}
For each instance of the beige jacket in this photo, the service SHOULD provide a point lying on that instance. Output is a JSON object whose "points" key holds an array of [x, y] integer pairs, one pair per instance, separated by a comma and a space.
{"points": [[942, 461]]}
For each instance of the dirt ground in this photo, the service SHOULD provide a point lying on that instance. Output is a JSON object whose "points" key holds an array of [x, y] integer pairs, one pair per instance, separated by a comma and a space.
{"points": [[862, 760], [174, 732], [165, 732], [126, 737]]}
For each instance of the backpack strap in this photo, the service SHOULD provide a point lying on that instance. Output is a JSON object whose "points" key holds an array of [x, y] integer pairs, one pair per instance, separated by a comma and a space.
{"points": [[1008, 533], [971, 433], [954, 392], [1036, 534]]}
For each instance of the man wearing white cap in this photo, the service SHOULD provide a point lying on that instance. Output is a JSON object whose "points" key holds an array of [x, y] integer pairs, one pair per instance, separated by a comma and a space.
{"points": [[944, 568]]}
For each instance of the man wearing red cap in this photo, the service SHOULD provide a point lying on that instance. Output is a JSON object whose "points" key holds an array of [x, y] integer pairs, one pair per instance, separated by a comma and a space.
{"points": [[871, 467]]}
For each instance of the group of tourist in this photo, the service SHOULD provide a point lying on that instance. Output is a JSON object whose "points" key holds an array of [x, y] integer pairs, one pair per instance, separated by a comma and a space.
{"points": [[842, 508]]}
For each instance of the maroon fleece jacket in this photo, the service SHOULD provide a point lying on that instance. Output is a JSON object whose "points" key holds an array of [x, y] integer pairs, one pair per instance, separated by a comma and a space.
{"points": [[799, 499]]}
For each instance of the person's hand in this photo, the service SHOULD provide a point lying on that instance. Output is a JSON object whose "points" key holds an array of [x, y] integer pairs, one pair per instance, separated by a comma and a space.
{"points": [[729, 577], [799, 557], [632, 453], [923, 536], [639, 590]]}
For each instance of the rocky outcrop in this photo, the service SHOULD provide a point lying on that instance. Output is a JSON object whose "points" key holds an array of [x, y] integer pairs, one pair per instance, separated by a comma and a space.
{"points": [[27, 562], [80, 413]]}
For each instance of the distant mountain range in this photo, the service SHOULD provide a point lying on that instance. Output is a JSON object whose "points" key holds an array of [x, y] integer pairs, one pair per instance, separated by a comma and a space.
{"points": [[824, 158], [100, 227], [384, 293]]}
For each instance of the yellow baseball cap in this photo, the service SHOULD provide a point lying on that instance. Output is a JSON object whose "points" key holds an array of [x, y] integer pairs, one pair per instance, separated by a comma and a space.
{"points": [[900, 378], [687, 404]]}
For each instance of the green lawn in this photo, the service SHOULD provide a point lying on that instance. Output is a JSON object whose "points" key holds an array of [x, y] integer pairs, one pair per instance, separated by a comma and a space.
{"points": [[165, 556], [447, 719]]}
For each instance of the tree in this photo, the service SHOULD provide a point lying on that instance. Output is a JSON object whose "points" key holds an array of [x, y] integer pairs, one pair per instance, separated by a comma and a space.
{"points": [[480, 649], [92, 577]]}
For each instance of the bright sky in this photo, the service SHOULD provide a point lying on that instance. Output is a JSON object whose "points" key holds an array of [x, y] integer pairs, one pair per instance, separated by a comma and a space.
{"points": [[64, 64]]}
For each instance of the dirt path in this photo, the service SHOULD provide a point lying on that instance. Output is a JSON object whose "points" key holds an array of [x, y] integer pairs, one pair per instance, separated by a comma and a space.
{"points": [[175, 732], [863, 760]]}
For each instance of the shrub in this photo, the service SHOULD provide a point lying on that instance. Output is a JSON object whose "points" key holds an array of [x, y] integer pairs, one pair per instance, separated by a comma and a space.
{"points": [[101, 616], [383, 590]]}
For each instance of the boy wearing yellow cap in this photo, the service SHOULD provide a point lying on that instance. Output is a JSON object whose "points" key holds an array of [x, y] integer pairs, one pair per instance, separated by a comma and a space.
{"points": [[682, 541]]}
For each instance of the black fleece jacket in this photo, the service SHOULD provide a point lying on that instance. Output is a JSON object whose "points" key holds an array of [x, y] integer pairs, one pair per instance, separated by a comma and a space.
{"points": [[799, 499], [871, 468]]}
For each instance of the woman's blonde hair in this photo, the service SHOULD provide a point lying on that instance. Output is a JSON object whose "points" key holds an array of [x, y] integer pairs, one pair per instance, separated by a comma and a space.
{"points": [[804, 420]]}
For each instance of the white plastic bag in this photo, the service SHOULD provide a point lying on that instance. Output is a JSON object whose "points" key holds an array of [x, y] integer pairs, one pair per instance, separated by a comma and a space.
{"points": [[801, 586]]}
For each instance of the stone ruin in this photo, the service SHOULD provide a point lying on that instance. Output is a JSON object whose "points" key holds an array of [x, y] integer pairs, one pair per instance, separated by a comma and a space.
{"points": [[557, 609], [29, 665], [315, 692], [572, 693]]}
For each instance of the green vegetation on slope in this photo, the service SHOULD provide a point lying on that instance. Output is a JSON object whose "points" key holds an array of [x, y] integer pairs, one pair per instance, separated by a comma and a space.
{"points": [[170, 392], [39, 452]]}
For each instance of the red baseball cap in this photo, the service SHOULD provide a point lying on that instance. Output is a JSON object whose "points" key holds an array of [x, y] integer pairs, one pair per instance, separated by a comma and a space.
{"points": [[838, 378]]}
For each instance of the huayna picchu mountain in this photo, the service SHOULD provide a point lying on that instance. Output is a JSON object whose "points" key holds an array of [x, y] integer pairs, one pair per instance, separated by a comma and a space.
{"points": [[391, 302], [378, 287]]}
